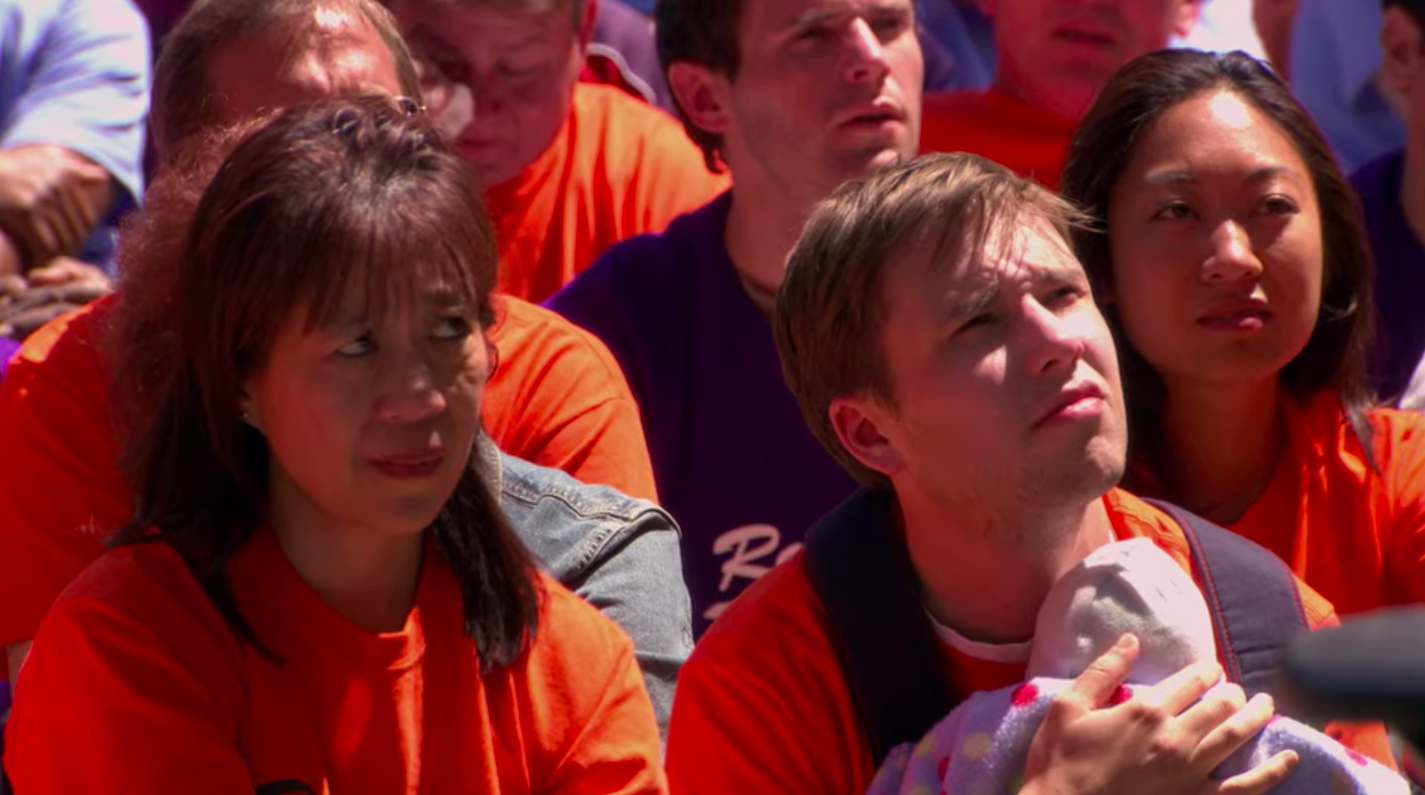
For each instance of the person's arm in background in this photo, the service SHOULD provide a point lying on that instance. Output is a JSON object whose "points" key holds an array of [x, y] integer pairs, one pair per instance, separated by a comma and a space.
{"points": [[60, 490], [619, 554], [71, 149], [636, 579]]}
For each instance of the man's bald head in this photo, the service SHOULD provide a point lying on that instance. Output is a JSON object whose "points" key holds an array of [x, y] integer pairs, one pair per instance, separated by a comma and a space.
{"points": [[229, 59]]}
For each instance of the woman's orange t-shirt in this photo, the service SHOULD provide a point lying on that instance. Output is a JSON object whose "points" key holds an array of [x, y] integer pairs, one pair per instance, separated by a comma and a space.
{"points": [[557, 398], [135, 684], [619, 167], [763, 707], [1354, 533]]}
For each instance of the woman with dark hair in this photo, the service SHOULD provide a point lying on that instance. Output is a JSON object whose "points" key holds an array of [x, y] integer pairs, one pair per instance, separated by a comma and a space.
{"points": [[318, 591], [1231, 262]]}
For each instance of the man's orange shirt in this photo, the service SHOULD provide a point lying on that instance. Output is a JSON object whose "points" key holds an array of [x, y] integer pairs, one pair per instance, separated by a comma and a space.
{"points": [[136, 684], [763, 706], [1354, 533], [1030, 141], [557, 398], [618, 167]]}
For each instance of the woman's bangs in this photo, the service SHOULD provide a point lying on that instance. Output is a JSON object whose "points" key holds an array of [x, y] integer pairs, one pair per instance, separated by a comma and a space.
{"points": [[400, 255]]}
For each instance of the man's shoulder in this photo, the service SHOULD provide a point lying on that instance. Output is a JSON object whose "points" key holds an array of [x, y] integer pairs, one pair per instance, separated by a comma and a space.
{"points": [[71, 338], [538, 336], [983, 112], [1135, 517], [772, 624], [618, 117], [647, 272], [948, 105], [639, 154], [145, 583]]}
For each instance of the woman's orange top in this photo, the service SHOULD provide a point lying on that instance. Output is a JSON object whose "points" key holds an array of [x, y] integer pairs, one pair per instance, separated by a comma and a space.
{"points": [[136, 684]]}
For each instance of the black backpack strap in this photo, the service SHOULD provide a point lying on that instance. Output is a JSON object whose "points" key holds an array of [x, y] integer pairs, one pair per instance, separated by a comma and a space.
{"points": [[1251, 595], [862, 573]]}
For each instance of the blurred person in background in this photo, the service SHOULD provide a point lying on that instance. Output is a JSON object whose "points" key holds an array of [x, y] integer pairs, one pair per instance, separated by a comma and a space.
{"points": [[74, 81], [570, 167], [1054, 56], [1336, 73], [1392, 192]]}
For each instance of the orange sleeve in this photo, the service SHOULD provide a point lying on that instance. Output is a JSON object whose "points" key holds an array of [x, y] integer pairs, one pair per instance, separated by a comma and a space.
{"points": [[1401, 445], [761, 707], [60, 490], [559, 399], [150, 724], [590, 696]]}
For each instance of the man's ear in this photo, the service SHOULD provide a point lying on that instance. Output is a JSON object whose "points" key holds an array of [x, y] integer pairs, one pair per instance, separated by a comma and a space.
{"points": [[861, 424], [702, 94], [1185, 17], [1402, 43]]}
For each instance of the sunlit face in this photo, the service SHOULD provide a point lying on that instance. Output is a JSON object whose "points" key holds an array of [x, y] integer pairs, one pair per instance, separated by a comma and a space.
{"points": [[1004, 377], [1215, 236], [826, 90], [1068, 48], [336, 54], [501, 82], [370, 421]]}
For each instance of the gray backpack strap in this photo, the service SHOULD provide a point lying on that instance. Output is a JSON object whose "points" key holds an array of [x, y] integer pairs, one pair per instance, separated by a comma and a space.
{"points": [[1251, 595]]}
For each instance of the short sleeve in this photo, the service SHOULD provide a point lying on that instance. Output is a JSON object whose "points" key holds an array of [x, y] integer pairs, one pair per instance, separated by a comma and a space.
{"points": [[60, 489], [559, 399]]}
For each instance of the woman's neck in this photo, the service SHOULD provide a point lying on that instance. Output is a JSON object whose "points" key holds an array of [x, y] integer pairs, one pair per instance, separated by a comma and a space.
{"points": [[367, 575], [1218, 445]]}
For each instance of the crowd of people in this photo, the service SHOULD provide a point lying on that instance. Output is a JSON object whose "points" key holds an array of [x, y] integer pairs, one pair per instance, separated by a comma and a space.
{"points": [[718, 397]]}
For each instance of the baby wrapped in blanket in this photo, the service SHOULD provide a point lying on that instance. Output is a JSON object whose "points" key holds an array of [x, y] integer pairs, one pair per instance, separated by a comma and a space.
{"points": [[1127, 586]]}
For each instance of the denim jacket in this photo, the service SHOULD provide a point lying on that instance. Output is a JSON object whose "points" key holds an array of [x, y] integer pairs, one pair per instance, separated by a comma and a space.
{"points": [[618, 553]]}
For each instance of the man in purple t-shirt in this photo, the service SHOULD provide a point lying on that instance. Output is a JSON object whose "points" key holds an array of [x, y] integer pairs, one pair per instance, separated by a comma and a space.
{"points": [[1392, 191], [793, 97]]}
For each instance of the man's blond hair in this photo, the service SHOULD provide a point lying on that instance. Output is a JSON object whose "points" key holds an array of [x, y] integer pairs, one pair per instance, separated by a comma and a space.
{"points": [[830, 310]]}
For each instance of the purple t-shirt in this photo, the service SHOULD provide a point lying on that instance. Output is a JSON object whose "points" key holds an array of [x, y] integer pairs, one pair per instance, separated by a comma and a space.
{"points": [[1399, 274], [732, 456]]}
